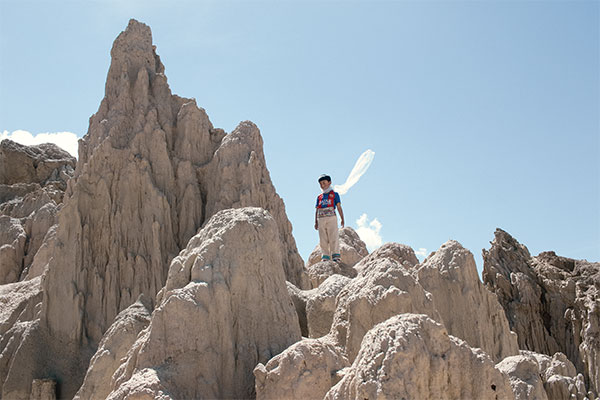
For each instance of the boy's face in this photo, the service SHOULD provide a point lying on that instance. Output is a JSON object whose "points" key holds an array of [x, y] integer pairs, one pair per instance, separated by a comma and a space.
{"points": [[324, 184]]}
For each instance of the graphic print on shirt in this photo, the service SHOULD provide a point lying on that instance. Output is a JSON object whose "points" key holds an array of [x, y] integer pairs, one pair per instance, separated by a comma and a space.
{"points": [[326, 203]]}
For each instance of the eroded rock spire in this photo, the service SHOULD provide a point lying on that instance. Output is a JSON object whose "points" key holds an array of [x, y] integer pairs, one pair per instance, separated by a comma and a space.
{"points": [[151, 170]]}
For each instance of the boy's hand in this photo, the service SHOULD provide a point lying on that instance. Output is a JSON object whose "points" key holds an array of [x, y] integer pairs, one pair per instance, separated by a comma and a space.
{"points": [[342, 222], [316, 225]]}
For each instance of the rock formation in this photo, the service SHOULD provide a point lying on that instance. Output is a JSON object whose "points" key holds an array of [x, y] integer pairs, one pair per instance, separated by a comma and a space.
{"points": [[525, 379], [321, 305], [114, 346], [32, 184], [551, 302], [538, 376], [306, 370], [319, 272], [400, 253], [168, 270], [384, 288], [44, 164], [450, 275], [212, 325], [151, 170], [411, 356], [43, 389], [315, 307]]}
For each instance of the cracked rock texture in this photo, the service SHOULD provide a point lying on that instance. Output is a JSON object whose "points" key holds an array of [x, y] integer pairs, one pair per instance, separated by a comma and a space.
{"points": [[114, 346], [305, 370], [411, 356], [551, 302], [450, 275], [32, 184], [43, 164], [384, 288], [538, 376], [212, 325], [321, 271]]}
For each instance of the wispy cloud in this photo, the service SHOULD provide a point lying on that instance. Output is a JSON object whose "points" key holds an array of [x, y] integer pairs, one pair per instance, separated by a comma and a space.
{"points": [[361, 166], [369, 232], [65, 140]]}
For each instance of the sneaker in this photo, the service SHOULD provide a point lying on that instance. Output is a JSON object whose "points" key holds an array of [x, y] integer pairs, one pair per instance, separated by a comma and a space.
{"points": [[325, 258], [337, 258]]}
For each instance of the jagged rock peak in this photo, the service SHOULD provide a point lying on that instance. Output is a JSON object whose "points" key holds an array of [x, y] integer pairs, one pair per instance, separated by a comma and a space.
{"points": [[551, 302], [131, 52], [151, 171], [450, 275], [136, 93]]}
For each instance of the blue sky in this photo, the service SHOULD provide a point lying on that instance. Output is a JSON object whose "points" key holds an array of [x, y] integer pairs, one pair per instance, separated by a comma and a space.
{"points": [[481, 114]]}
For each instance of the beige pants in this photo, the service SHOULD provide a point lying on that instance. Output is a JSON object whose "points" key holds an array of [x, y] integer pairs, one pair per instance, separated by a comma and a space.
{"points": [[328, 235]]}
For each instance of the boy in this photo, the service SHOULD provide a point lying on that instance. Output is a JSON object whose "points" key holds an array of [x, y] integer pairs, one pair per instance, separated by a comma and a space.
{"points": [[326, 220]]}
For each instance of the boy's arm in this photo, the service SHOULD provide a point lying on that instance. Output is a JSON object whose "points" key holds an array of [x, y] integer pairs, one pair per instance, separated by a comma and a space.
{"points": [[316, 222], [339, 208]]}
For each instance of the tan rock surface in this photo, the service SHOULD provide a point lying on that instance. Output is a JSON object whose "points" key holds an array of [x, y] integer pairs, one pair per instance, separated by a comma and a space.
{"points": [[305, 370], [401, 253], [561, 380], [42, 164], [551, 302], [238, 177], [450, 275], [19, 304], [43, 389], [115, 344], [525, 379], [319, 272], [535, 375], [12, 249], [412, 357], [32, 184], [31, 352], [212, 324], [383, 289], [299, 298], [315, 307], [321, 305]]}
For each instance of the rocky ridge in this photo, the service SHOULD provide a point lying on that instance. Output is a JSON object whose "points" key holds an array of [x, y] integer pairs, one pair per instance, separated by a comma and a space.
{"points": [[171, 273], [552, 303], [33, 180]]}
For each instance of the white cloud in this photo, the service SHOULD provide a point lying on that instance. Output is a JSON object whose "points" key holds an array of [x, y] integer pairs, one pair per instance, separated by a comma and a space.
{"points": [[362, 165], [65, 140], [369, 232], [422, 252]]}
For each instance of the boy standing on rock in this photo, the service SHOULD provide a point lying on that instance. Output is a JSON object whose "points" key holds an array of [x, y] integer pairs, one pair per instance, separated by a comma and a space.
{"points": [[326, 219]]}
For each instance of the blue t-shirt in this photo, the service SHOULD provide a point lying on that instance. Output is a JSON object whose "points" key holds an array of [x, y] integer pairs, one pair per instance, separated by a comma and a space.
{"points": [[326, 203]]}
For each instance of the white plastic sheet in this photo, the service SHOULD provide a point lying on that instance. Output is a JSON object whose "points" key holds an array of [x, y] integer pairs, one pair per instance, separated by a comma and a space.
{"points": [[361, 166]]}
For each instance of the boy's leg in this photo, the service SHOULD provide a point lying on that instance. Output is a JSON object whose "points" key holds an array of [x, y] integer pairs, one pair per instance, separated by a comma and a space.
{"points": [[323, 242], [335, 241], [332, 235]]}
